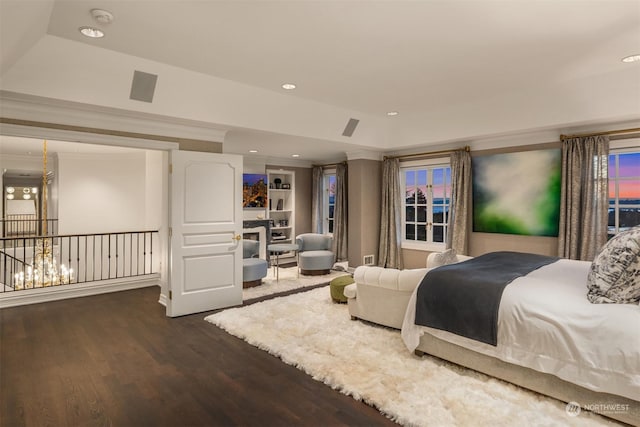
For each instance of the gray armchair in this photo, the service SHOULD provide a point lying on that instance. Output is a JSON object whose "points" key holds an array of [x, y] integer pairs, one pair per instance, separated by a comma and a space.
{"points": [[254, 269], [314, 253]]}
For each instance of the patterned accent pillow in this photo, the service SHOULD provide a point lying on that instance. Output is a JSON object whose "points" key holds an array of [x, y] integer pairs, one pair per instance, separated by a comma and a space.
{"points": [[447, 257], [615, 272]]}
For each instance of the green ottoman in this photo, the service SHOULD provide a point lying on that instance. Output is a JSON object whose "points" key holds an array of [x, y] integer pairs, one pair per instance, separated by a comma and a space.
{"points": [[337, 288]]}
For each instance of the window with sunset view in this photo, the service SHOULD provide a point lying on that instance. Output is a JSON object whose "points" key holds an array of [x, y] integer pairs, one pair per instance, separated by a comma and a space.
{"points": [[624, 191], [425, 214]]}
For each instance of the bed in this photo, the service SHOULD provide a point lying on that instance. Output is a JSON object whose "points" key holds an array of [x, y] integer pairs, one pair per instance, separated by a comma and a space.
{"points": [[551, 339]]}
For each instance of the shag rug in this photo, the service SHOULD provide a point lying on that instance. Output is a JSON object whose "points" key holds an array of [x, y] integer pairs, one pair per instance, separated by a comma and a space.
{"points": [[370, 363], [288, 280]]}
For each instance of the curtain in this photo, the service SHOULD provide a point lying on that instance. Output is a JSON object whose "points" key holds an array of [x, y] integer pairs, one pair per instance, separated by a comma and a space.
{"points": [[583, 197], [459, 208], [317, 199], [390, 253], [340, 214]]}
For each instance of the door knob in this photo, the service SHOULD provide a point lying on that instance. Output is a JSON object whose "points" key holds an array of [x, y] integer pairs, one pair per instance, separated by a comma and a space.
{"points": [[237, 238]]}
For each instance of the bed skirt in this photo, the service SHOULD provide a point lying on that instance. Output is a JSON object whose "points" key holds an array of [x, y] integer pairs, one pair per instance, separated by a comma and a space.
{"points": [[546, 384]]}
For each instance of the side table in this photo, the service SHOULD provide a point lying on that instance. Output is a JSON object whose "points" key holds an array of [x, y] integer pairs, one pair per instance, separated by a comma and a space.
{"points": [[279, 248]]}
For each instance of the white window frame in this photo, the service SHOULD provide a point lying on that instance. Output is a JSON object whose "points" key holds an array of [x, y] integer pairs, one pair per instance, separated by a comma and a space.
{"points": [[621, 147], [326, 176], [428, 164]]}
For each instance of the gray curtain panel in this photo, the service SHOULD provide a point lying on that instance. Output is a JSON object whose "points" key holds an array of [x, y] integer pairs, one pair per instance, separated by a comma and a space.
{"points": [[317, 199], [584, 199], [340, 214], [460, 206], [390, 253]]}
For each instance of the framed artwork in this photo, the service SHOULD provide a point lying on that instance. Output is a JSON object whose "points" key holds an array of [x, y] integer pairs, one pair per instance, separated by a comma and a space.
{"points": [[517, 193], [254, 191]]}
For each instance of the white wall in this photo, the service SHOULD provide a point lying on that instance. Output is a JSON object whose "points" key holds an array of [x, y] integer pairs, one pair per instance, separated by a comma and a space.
{"points": [[102, 193], [154, 185]]}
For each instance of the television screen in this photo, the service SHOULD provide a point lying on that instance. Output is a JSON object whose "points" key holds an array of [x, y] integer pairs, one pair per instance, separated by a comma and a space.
{"points": [[254, 190]]}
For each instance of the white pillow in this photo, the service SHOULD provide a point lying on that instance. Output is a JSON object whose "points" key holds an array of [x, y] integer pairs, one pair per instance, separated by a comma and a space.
{"points": [[615, 272]]}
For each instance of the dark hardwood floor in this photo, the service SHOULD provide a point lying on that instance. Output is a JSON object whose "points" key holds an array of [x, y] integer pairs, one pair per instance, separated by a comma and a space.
{"points": [[116, 360]]}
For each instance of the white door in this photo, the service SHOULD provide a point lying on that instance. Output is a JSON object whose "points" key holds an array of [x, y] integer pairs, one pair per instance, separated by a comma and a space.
{"points": [[205, 261]]}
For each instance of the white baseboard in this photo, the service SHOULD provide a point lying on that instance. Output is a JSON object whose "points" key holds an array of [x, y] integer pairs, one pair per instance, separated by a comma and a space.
{"points": [[163, 299], [35, 296]]}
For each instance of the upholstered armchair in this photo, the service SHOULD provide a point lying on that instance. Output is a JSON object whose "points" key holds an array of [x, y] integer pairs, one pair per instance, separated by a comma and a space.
{"points": [[314, 254], [254, 269]]}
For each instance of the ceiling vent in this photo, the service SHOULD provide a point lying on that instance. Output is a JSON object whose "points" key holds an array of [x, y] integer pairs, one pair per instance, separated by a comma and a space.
{"points": [[350, 127], [102, 16], [143, 86]]}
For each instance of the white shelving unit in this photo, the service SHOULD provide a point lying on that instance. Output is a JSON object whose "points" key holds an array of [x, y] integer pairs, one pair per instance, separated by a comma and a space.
{"points": [[282, 208]]}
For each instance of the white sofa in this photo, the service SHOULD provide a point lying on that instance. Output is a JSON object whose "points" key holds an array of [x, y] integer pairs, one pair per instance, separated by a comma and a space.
{"points": [[380, 295]]}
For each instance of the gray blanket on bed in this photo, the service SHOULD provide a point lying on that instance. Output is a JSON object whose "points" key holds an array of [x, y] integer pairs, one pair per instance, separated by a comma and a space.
{"points": [[464, 298]]}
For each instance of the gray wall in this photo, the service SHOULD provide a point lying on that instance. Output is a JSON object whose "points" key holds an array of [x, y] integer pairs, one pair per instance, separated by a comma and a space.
{"points": [[364, 199], [364, 184]]}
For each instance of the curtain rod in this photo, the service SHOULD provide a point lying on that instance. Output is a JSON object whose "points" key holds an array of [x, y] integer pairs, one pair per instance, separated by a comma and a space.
{"points": [[608, 132], [330, 165], [431, 153]]}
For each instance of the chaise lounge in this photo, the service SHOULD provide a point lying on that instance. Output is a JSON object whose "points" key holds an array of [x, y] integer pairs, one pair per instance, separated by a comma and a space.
{"points": [[381, 295]]}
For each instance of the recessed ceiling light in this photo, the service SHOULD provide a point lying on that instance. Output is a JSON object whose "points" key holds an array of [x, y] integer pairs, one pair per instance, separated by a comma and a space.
{"points": [[631, 58], [92, 32], [295, 155], [392, 113], [288, 86], [253, 151]]}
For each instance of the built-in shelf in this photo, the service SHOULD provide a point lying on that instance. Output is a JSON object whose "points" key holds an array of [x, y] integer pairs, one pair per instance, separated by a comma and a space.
{"points": [[283, 198]]}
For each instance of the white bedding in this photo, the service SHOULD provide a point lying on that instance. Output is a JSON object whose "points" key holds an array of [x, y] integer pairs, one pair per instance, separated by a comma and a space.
{"points": [[546, 323]]}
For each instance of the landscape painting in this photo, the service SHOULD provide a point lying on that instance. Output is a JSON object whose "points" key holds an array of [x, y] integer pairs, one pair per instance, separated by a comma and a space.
{"points": [[517, 193], [254, 191]]}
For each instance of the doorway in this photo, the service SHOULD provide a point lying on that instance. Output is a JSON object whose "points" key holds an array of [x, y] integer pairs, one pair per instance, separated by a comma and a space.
{"points": [[103, 188]]}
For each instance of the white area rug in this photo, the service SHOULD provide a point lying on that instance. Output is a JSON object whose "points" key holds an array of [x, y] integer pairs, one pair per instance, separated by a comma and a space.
{"points": [[289, 280], [372, 364]]}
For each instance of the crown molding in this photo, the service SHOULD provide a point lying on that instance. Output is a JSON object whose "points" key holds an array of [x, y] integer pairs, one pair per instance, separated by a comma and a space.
{"points": [[295, 163], [47, 110], [364, 155], [83, 137]]}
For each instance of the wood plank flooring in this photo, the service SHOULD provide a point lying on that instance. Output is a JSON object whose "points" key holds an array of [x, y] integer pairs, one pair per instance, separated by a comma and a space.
{"points": [[116, 360]]}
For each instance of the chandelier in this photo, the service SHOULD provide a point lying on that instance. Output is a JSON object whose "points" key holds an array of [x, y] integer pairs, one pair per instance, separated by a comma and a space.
{"points": [[43, 270]]}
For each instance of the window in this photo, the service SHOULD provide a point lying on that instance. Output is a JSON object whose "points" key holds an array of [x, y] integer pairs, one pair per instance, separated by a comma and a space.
{"points": [[624, 190], [329, 202], [425, 213]]}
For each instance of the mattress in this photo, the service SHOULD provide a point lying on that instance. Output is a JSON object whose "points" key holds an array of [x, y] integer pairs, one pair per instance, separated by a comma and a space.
{"points": [[546, 323]]}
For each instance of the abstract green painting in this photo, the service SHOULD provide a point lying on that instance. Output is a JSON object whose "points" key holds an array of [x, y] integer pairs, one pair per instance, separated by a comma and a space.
{"points": [[517, 193]]}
